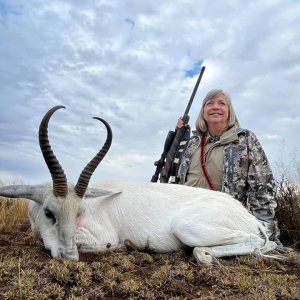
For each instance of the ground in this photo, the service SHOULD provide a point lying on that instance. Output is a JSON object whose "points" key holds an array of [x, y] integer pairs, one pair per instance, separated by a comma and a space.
{"points": [[28, 272]]}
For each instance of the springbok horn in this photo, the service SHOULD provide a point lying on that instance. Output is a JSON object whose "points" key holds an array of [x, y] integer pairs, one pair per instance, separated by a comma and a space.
{"points": [[60, 188], [87, 172]]}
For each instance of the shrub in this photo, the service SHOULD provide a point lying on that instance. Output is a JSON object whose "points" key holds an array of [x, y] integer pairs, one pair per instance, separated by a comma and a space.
{"points": [[288, 213]]}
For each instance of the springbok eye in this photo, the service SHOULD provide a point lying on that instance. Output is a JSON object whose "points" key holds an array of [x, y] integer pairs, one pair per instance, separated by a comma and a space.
{"points": [[49, 214]]}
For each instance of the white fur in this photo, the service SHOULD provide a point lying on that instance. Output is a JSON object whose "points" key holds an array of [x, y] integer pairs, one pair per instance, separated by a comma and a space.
{"points": [[161, 217]]}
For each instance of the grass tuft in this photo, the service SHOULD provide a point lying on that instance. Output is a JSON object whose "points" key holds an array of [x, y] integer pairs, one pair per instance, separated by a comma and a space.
{"points": [[13, 214]]}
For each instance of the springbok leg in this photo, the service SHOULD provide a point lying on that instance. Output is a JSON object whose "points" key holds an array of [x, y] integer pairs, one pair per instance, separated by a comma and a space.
{"points": [[249, 244]]}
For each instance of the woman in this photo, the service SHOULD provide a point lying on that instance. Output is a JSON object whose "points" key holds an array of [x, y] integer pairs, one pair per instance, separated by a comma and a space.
{"points": [[223, 157]]}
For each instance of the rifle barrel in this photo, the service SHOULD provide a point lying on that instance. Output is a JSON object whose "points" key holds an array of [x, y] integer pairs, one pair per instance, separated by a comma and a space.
{"points": [[194, 91], [163, 166]]}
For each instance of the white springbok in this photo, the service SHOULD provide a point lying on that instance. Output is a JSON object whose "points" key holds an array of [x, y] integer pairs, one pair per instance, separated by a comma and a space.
{"points": [[160, 217]]}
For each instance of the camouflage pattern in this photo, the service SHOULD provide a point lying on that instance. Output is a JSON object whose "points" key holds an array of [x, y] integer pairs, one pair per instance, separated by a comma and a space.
{"points": [[247, 176]]}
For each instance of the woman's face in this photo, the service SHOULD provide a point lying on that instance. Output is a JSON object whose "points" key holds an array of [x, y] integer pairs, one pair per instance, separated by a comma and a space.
{"points": [[216, 111]]}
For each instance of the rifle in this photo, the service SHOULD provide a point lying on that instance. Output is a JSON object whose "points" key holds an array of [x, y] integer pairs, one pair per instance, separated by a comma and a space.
{"points": [[166, 166]]}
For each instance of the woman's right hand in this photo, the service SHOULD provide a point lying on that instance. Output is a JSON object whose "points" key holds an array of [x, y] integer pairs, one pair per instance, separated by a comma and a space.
{"points": [[180, 123]]}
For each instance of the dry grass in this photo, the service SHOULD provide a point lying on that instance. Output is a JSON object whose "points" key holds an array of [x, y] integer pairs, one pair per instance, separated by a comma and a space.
{"points": [[288, 200], [13, 214], [288, 213], [27, 272]]}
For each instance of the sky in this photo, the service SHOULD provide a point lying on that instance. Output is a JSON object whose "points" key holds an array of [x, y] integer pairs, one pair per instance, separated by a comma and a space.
{"points": [[135, 63]]}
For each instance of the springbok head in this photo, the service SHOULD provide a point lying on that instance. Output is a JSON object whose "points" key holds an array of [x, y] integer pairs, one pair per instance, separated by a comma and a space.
{"points": [[58, 206]]}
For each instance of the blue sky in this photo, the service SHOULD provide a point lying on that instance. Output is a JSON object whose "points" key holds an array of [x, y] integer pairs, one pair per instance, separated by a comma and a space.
{"points": [[135, 63]]}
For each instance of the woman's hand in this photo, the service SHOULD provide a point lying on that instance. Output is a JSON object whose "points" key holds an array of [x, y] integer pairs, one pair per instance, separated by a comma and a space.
{"points": [[180, 123]]}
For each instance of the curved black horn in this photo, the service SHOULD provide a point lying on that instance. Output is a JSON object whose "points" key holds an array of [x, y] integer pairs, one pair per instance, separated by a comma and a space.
{"points": [[59, 178], [87, 172]]}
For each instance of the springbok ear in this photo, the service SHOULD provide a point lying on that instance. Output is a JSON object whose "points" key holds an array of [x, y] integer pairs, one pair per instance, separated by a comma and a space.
{"points": [[96, 192], [31, 192]]}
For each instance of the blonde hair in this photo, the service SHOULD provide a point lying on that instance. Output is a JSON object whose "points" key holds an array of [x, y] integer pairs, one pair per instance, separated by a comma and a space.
{"points": [[201, 125]]}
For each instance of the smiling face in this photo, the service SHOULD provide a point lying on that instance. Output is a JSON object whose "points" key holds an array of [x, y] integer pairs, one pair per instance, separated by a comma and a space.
{"points": [[216, 111]]}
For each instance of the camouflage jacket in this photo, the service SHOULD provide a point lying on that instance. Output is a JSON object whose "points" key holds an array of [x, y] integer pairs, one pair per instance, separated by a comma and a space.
{"points": [[247, 176]]}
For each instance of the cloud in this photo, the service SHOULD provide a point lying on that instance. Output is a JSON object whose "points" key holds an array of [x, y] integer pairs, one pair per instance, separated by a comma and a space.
{"points": [[135, 64]]}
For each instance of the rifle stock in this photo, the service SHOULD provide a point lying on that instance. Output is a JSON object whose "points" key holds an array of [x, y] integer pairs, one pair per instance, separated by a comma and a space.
{"points": [[160, 163], [164, 166], [166, 170]]}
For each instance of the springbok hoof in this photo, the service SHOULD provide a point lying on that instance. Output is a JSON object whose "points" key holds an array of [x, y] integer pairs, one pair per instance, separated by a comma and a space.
{"points": [[204, 257]]}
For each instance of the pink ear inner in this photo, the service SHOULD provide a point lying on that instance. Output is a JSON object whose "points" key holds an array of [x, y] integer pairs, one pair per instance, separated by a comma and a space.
{"points": [[79, 220]]}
